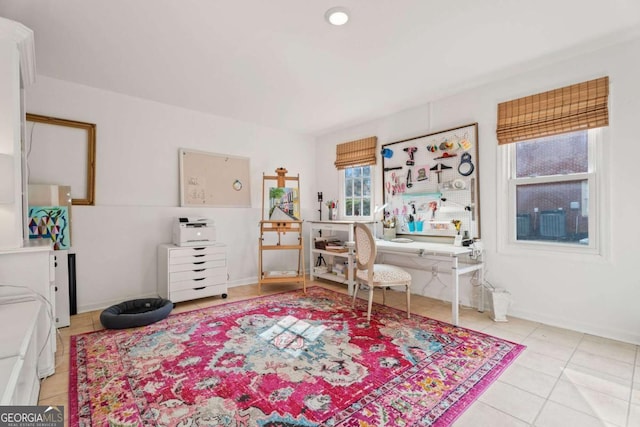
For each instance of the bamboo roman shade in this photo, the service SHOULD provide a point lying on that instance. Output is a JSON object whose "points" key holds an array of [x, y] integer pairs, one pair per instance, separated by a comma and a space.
{"points": [[356, 153], [571, 108]]}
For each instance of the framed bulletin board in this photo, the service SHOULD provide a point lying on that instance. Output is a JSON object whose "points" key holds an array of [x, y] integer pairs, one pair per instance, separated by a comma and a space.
{"points": [[213, 180], [430, 183]]}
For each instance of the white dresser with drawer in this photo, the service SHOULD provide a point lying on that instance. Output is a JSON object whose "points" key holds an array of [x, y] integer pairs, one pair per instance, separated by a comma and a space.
{"points": [[19, 383], [191, 272]]}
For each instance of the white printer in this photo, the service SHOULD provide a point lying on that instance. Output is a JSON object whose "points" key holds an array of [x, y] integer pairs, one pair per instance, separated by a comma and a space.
{"points": [[194, 232]]}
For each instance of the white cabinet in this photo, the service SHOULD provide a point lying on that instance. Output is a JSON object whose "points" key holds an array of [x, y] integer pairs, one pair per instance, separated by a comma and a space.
{"points": [[30, 271], [19, 383], [63, 307], [327, 228], [17, 68], [186, 273]]}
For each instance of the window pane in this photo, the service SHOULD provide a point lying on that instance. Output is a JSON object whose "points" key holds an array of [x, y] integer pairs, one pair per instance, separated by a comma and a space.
{"points": [[357, 191], [357, 188], [348, 207], [555, 212], [366, 207], [554, 155], [348, 188], [366, 187]]}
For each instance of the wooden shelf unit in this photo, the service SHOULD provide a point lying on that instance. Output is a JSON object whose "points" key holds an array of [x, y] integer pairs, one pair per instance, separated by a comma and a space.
{"points": [[280, 227]]}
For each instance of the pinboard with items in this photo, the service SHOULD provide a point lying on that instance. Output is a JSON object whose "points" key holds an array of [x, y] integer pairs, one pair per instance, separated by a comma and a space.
{"points": [[430, 184]]}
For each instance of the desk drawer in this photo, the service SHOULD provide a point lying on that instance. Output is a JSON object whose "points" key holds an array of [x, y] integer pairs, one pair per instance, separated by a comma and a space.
{"points": [[197, 250], [198, 265], [197, 292], [195, 258], [197, 283], [179, 276]]}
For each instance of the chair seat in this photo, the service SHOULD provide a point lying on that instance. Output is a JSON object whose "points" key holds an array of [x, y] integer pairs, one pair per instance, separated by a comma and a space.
{"points": [[385, 274]]}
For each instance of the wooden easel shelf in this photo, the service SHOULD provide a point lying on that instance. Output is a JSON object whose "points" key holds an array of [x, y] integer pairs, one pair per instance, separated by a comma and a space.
{"points": [[280, 227]]}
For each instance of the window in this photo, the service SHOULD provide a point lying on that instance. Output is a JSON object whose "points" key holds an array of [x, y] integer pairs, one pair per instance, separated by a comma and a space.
{"points": [[552, 185], [356, 159], [357, 185], [550, 160]]}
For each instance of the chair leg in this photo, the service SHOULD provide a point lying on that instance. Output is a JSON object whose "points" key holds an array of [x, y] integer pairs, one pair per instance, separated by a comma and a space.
{"points": [[356, 286], [370, 303], [408, 303], [384, 295]]}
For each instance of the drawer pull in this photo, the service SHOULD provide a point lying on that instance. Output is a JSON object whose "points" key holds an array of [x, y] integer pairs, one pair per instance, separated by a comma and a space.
{"points": [[198, 256], [199, 262], [198, 279], [198, 271], [198, 249], [199, 289]]}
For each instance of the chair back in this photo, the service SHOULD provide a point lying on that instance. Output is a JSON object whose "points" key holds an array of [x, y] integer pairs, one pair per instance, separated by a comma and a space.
{"points": [[365, 247]]}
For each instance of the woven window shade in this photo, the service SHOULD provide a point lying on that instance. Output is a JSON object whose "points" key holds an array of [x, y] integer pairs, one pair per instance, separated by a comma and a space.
{"points": [[356, 153], [571, 108]]}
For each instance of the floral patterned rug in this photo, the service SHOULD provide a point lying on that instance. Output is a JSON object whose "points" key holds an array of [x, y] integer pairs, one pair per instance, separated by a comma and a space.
{"points": [[288, 359]]}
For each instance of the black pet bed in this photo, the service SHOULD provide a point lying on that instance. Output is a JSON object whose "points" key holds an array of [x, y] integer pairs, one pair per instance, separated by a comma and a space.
{"points": [[137, 312]]}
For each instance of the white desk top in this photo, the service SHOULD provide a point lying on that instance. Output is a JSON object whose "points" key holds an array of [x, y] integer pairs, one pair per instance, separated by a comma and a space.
{"points": [[418, 248], [340, 222], [422, 248]]}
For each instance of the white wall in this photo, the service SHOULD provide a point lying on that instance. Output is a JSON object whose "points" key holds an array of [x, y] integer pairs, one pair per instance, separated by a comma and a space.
{"points": [[598, 295], [137, 190]]}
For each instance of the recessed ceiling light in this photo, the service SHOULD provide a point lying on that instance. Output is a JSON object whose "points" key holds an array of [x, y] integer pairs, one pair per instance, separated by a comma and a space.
{"points": [[337, 16]]}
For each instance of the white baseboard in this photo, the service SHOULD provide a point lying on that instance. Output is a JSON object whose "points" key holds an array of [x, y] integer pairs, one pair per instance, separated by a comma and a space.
{"points": [[586, 328]]}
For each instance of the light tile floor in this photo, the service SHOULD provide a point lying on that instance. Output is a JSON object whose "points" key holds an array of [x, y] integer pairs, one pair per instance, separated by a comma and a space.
{"points": [[563, 378]]}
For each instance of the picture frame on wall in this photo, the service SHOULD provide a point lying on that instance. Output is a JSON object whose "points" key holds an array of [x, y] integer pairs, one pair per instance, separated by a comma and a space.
{"points": [[63, 152], [431, 183]]}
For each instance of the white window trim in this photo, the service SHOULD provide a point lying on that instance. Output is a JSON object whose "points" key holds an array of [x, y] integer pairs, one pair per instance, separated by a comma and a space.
{"points": [[597, 176], [341, 213]]}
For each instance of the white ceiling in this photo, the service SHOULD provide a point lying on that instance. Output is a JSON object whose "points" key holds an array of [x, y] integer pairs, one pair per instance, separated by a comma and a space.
{"points": [[278, 63]]}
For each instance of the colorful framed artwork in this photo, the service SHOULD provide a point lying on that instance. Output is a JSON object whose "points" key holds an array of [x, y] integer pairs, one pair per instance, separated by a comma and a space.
{"points": [[284, 203], [50, 222]]}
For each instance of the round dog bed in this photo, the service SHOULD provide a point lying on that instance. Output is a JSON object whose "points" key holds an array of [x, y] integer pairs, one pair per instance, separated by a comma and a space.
{"points": [[137, 312]]}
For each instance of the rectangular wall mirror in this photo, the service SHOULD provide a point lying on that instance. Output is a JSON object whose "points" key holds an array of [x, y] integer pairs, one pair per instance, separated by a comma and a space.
{"points": [[62, 152], [430, 183]]}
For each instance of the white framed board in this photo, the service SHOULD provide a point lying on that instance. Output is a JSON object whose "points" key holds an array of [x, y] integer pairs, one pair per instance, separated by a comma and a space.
{"points": [[431, 183], [213, 180]]}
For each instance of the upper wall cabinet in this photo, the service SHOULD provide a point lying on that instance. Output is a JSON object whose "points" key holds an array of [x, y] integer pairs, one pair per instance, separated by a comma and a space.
{"points": [[430, 183], [17, 69]]}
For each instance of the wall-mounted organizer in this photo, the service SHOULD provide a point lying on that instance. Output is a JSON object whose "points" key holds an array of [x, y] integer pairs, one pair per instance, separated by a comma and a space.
{"points": [[430, 183]]}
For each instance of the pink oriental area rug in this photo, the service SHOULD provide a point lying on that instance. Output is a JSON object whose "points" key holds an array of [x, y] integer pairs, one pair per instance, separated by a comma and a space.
{"points": [[284, 360]]}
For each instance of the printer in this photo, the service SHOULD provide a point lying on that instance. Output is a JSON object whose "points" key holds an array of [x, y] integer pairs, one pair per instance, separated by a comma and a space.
{"points": [[194, 232]]}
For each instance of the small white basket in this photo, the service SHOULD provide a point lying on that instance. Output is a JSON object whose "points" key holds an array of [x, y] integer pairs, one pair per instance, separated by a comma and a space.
{"points": [[500, 301]]}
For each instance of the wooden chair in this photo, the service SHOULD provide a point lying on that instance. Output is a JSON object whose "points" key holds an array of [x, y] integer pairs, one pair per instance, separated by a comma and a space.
{"points": [[376, 275]]}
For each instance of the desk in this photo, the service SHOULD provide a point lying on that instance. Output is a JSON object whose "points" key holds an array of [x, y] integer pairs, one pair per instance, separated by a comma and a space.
{"points": [[438, 252], [432, 251], [331, 227]]}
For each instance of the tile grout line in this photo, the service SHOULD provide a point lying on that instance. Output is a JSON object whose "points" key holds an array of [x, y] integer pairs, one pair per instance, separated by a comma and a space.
{"points": [[555, 384]]}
